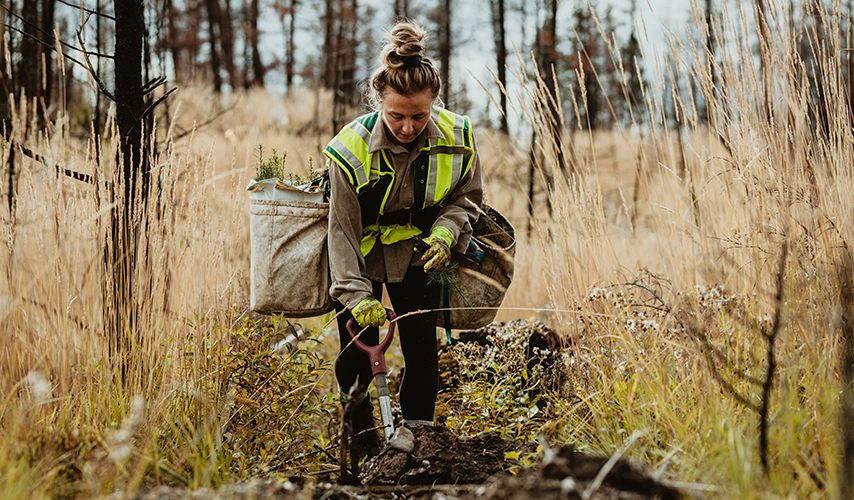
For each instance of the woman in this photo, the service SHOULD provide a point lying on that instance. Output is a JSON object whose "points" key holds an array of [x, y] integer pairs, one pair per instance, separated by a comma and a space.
{"points": [[408, 171]]}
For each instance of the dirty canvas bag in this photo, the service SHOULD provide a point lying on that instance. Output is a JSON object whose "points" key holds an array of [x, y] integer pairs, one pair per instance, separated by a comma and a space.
{"points": [[289, 260], [475, 288]]}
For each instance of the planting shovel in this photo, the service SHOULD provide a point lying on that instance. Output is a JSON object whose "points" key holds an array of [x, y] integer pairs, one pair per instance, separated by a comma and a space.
{"points": [[377, 355]]}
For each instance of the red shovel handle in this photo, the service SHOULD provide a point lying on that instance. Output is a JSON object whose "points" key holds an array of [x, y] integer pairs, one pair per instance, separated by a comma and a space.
{"points": [[376, 352]]}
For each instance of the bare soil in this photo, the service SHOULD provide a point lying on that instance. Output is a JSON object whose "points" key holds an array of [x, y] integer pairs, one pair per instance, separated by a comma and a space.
{"points": [[438, 464]]}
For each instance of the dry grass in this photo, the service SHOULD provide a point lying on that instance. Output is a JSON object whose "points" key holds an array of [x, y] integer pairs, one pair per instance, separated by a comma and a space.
{"points": [[699, 223]]}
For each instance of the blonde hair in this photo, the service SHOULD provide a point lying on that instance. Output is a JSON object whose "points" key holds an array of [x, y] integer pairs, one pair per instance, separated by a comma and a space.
{"points": [[404, 69]]}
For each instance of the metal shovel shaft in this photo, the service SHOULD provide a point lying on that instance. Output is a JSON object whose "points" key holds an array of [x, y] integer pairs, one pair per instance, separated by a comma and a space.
{"points": [[377, 356], [385, 404]]}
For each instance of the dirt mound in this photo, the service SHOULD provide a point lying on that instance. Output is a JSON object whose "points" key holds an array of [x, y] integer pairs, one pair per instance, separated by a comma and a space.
{"points": [[435, 455], [567, 474]]}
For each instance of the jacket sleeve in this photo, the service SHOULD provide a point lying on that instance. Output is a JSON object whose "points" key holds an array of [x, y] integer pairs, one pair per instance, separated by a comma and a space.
{"points": [[346, 262], [461, 209]]}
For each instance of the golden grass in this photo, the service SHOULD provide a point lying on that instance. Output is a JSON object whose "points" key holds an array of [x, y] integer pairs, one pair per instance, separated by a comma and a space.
{"points": [[700, 222]]}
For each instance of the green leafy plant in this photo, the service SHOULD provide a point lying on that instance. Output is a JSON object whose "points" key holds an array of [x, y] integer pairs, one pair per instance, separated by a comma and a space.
{"points": [[272, 167], [264, 409], [280, 403], [494, 391]]}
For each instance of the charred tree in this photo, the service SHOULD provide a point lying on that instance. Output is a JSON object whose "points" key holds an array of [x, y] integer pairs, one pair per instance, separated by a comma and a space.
{"points": [[401, 9], [499, 37], [549, 58], [287, 16], [330, 47], [6, 88], [252, 38], [443, 21], [130, 187], [586, 58], [711, 47], [212, 7], [347, 53], [764, 32], [290, 47], [226, 42], [35, 67], [340, 56]]}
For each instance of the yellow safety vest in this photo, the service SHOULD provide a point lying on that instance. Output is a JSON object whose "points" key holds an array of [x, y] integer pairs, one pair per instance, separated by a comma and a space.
{"points": [[438, 170]]}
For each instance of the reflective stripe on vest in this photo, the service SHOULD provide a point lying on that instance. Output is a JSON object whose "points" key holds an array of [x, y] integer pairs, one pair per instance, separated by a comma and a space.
{"points": [[443, 162]]}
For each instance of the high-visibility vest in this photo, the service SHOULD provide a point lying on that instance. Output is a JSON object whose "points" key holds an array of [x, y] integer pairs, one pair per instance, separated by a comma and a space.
{"points": [[438, 169]]}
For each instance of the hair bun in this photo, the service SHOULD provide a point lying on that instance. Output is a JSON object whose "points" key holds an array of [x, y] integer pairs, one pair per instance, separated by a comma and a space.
{"points": [[404, 67], [408, 38]]}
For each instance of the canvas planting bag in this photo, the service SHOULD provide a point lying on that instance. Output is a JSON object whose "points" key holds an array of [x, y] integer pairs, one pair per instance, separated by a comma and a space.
{"points": [[289, 262], [472, 294]]}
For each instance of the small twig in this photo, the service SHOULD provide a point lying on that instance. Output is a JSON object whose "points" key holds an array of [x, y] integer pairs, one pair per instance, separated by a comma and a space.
{"points": [[43, 32], [153, 84], [65, 171], [162, 98], [92, 71], [42, 42], [205, 123], [88, 11], [771, 337], [597, 482]]}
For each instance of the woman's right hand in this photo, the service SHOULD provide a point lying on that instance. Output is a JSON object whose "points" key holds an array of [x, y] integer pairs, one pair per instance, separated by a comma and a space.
{"points": [[369, 312]]}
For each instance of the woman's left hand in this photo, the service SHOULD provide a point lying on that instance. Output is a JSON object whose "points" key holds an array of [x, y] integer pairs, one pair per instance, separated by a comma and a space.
{"points": [[438, 255]]}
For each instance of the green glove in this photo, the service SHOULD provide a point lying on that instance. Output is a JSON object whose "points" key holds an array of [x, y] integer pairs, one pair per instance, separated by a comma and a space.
{"points": [[369, 312], [438, 255]]}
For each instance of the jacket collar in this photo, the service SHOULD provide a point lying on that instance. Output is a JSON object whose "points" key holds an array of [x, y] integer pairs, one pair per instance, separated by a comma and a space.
{"points": [[380, 140]]}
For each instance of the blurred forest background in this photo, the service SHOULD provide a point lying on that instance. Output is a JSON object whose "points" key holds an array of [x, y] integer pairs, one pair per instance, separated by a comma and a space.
{"points": [[282, 44], [682, 199]]}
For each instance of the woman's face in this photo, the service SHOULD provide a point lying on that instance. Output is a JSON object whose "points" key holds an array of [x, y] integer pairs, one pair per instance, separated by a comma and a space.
{"points": [[405, 116]]}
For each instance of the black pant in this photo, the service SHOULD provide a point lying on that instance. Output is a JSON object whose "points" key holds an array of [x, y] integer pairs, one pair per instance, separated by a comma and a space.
{"points": [[417, 336]]}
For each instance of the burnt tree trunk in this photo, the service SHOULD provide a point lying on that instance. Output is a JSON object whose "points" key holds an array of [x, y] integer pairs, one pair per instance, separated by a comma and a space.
{"points": [[444, 20], [329, 46], [173, 36], [401, 9], [290, 49], [764, 33], [35, 69], [347, 64], [130, 191], [45, 64], [499, 35], [549, 58], [212, 7], [258, 69], [6, 88], [226, 42]]}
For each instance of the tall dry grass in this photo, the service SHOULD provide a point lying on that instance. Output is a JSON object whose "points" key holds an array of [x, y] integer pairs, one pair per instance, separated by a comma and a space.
{"points": [[667, 236], [660, 261]]}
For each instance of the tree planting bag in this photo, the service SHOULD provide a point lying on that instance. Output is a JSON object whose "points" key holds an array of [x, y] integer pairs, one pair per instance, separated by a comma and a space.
{"points": [[478, 280], [289, 261]]}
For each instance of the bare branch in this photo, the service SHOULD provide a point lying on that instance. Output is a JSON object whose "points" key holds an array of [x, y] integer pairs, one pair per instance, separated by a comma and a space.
{"points": [[52, 38], [153, 84], [92, 69], [771, 362], [155, 103], [88, 179], [725, 384], [205, 123], [42, 42], [88, 11]]}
